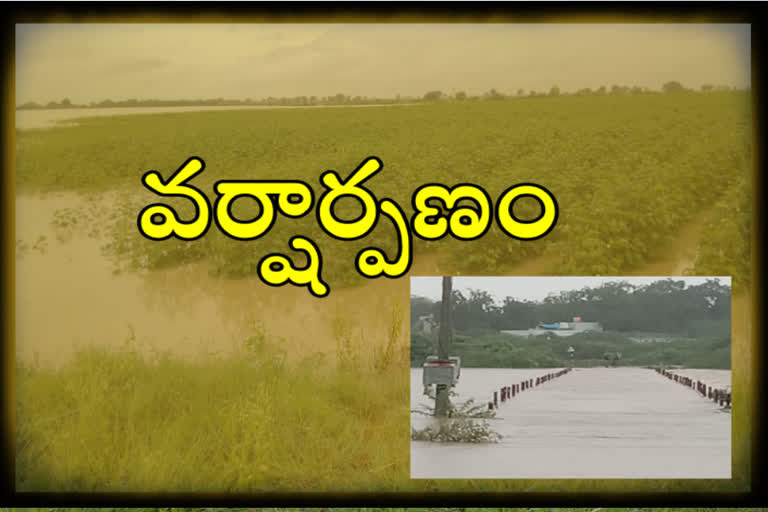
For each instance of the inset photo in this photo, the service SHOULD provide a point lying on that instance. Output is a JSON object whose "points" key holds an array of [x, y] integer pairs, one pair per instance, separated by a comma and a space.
{"points": [[571, 377]]}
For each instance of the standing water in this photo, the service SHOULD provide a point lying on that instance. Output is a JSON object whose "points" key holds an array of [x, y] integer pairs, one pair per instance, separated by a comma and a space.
{"points": [[590, 423], [68, 296]]}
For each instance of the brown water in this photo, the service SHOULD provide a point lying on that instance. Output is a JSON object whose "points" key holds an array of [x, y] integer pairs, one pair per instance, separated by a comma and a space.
{"points": [[68, 296]]}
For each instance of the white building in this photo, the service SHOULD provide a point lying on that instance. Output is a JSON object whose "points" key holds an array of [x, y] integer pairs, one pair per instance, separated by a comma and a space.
{"points": [[561, 329]]}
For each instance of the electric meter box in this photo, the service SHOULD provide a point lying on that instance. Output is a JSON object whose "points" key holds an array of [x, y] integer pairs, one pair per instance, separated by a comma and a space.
{"points": [[441, 372]]}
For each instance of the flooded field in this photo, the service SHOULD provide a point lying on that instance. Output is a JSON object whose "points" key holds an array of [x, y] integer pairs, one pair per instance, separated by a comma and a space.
{"points": [[590, 423], [37, 119], [67, 295]]}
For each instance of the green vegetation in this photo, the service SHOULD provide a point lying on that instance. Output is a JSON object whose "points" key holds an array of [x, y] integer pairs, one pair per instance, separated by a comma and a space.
{"points": [[695, 320], [628, 172], [124, 421], [726, 250], [456, 430], [503, 351]]}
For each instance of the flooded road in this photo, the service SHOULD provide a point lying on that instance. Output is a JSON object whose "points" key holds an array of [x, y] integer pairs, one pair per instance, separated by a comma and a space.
{"points": [[590, 423]]}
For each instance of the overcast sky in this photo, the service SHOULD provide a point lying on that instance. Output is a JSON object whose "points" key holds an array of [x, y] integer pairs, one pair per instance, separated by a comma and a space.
{"points": [[531, 288], [93, 62]]}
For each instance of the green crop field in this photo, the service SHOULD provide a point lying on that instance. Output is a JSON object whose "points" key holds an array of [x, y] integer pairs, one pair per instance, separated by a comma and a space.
{"points": [[629, 172]]}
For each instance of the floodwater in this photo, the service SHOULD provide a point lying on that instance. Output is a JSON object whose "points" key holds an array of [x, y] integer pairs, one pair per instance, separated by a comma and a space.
{"points": [[36, 119], [720, 379], [590, 423], [67, 296]]}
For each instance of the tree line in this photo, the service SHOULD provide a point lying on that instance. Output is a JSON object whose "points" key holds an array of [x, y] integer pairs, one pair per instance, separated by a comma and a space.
{"points": [[665, 306], [344, 99]]}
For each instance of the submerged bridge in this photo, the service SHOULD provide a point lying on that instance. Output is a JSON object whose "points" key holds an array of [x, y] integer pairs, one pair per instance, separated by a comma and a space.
{"points": [[589, 423]]}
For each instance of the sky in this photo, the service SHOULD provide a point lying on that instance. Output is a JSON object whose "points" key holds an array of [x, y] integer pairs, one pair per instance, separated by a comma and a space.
{"points": [[531, 288], [94, 62]]}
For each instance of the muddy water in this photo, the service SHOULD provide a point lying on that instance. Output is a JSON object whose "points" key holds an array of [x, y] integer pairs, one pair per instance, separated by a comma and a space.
{"points": [[591, 423], [68, 296], [717, 378], [43, 119]]}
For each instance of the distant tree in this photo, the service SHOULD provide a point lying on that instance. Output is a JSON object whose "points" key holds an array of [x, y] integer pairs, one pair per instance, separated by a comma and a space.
{"points": [[554, 91], [66, 103], [493, 94], [433, 96], [707, 88], [601, 90], [520, 92], [461, 95], [672, 86], [620, 89]]}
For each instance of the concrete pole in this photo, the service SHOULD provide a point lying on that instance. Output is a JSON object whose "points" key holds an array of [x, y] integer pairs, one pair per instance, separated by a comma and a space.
{"points": [[442, 398]]}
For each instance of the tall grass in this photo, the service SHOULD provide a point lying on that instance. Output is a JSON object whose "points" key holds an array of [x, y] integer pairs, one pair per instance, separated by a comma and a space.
{"points": [[122, 422], [250, 421]]}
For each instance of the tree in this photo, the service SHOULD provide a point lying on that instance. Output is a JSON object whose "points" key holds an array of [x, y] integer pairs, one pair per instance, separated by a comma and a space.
{"points": [[433, 96], [493, 94], [672, 86], [520, 92], [461, 95], [554, 91]]}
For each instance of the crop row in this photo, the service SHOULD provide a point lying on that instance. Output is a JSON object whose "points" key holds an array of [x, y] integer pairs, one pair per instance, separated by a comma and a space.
{"points": [[627, 172]]}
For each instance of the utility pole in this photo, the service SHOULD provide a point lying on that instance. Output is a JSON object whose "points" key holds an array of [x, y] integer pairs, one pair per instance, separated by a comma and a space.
{"points": [[442, 398]]}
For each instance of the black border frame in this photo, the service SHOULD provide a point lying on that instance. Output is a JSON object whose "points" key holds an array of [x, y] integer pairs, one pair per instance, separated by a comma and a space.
{"points": [[307, 12]]}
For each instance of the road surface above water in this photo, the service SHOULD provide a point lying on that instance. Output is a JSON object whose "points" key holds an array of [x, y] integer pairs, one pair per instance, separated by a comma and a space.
{"points": [[590, 423]]}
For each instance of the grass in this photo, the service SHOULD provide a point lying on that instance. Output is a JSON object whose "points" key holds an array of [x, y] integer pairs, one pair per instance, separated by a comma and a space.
{"points": [[250, 422], [125, 422]]}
